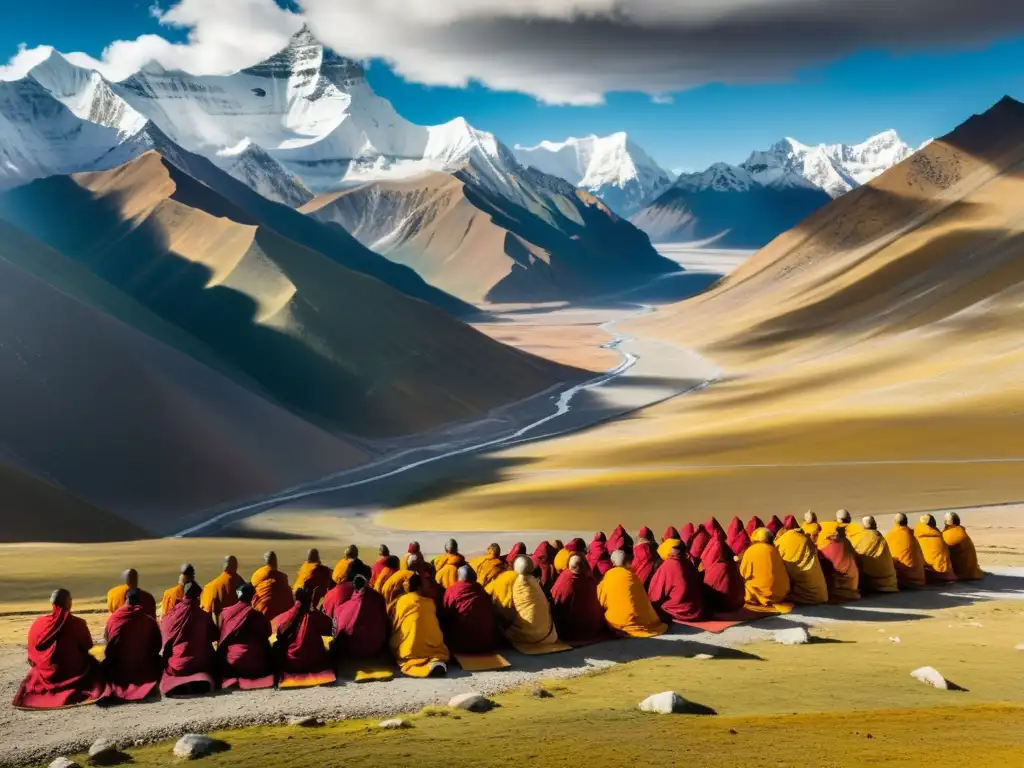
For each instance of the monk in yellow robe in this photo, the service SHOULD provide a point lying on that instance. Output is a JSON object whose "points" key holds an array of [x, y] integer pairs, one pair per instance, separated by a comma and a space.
{"points": [[829, 527], [500, 590], [906, 554], [446, 567], [574, 547], [669, 541], [488, 566], [416, 638], [811, 526], [522, 609], [961, 549], [396, 585], [765, 576], [556, 547], [118, 596], [627, 607], [341, 568], [806, 579], [273, 595], [874, 561], [938, 565], [174, 595], [222, 592], [315, 577]]}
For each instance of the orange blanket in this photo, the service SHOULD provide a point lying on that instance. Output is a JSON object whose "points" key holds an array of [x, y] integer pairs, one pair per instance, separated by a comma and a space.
{"points": [[962, 553], [627, 608]]}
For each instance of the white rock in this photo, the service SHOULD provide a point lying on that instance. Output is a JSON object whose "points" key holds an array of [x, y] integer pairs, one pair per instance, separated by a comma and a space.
{"points": [[394, 724], [895, 640], [931, 676], [472, 702], [63, 762], [703, 656], [102, 747], [193, 745], [307, 721], [792, 636], [670, 702], [1019, 647]]}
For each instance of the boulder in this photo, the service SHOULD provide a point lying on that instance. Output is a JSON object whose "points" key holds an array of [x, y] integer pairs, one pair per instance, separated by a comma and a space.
{"points": [[394, 724], [931, 676], [471, 702], [105, 752], [671, 703], [64, 762], [195, 745], [304, 721], [792, 636]]}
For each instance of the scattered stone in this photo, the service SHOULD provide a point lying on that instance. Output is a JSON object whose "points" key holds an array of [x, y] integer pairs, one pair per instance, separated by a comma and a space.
{"points": [[671, 703], [394, 724], [105, 752], [895, 640], [931, 676], [63, 762], [733, 732], [195, 745], [100, 747], [1019, 647], [703, 656], [540, 692], [471, 702], [868, 736], [307, 721], [792, 636]]}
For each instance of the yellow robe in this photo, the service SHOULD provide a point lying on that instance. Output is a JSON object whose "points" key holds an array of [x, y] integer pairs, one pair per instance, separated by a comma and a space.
{"points": [[666, 547], [906, 556], [627, 608], [765, 576], [500, 589], [340, 569], [116, 597], [562, 560], [874, 561], [962, 553], [532, 623], [825, 530], [488, 568], [416, 640], [394, 587], [933, 546], [447, 569], [171, 598], [220, 593], [812, 530], [806, 579]]}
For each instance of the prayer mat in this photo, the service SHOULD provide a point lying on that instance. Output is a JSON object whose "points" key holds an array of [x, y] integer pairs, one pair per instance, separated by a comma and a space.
{"points": [[481, 662]]}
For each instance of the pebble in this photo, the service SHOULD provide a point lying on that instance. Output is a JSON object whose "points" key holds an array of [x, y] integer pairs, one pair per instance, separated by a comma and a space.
{"points": [[195, 745], [539, 692], [471, 702], [931, 676], [307, 721], [703, 656], [394, 724], [670, 702], [63, 762], [792, 636], [895, 640], [101, 747]]}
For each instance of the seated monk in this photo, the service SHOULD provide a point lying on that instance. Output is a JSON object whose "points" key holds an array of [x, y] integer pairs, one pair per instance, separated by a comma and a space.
{"points": [[467, 619], [117, 596], [556, 547], [906, 554], [273, 595], [543, 563], [174, 595], [961, 549], [383, 553], [723, 586], [766, 581], [314, 577], [620, 539], [61, 672], [417, 642], [351, 555], [627, 608], [829, 527], [774, 525], [360, 624], [806, 579], [811, 526], [447, 566], [597, 556], [524, 613], [668, 541], [395, 586], [938, 565], [488, 566], [677, 589], [686, 534], [243, 652], [392, 565], [341, 592], [754, 524], [645, 556], [737, 537], [575, 609], [701, 538], [519, 548], [874, 561], [301, 657], [839, 564], [790, 524], [222, 592], [131, 663], [500, 592], [188, 634], [562, 556]]}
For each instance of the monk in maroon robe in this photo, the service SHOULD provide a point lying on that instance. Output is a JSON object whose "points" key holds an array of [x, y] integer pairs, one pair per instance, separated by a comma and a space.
{"points": [[392, 565], [620, 539], [671, 533], [360, 623], [774, 525], [467, 616], [677, 589], [243, 652], [544, 562], [61, 671], [519, 548], [577, 613], [700, 539], [645, 556], [724, 588], [713, 527], [341, 592], [301, 656], [790, 523], [131, 664], [686, 535], [598, 556], [384, 553], [753, 524], [737, 537], [188, 634]]}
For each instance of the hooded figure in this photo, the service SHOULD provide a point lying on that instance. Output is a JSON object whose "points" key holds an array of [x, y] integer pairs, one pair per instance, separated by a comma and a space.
{"points": [[467, 619], [938, 565], [774, 525], [701, 538], [598, 556], [737, 537], [543, 563], [342, 592], [753, 524], [723, 584], [961, 549], [575, 546], [645, 556], [519, 548], [620, 539], [686, 535], [577, 613], [677, 589]]}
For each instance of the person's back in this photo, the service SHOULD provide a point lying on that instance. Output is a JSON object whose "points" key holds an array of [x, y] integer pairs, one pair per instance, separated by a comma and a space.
{"points": [[575, 609], [273, 594], [839, 564], [961, 550], [906, 554], [627, 608], [724, 590], [314, 576], [416, 638], [448, 564], [221, 592], [118, 596], [243, 648], [467, 619], [766, 580], [302, 657], [874, 560], [131, 662], [188, 634], [645, 556], [806, 578], [360, 623], [938, 565], [677, 589]]}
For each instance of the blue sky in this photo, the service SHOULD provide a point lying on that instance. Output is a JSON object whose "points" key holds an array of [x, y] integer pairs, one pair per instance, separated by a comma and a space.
{"points": [[920, 94]]}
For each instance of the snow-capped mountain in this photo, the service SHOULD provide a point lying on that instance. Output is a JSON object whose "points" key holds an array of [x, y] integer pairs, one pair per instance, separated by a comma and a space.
{"points": [[613, 168]]}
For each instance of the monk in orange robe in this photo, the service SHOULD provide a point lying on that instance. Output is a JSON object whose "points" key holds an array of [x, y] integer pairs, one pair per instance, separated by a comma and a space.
{"points": [[315, 577], [243, 651], [174, 595], [874, 560], [61, 671], [906, 554], [839, 564], [763, 570], [131, 662], [302, 658], [489, 565], [416, 638], [117, 596], [392, 565], [395, 586], [807, 585], [961, 549], [627, 607], [447, 566], [383, 553], [221, 593], [273, 595], [351, 555], [188, 634], [938, 565], [811, 526]]}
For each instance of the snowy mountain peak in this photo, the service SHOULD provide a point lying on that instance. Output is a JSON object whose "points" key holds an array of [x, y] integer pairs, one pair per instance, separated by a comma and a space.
{"points": [[720, 177], [305, 58]]}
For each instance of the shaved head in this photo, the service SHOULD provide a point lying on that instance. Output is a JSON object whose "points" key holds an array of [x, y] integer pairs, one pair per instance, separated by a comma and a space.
{"points": [[576, 563], [245, 592], [900, 519], [133, 597], [359, 583], [451, 546], [186, 573], [313, 556], [523, 565], [270, 558], [351, 551], [192, 590], [927, 520], [952, 518], [619, 558], [842, 516], [414, 584], [230, 564], [61, 598], [869, 523], [131, 578], [465, 573], [383, 550], [414, 559], [494, 550], [810, 517]]}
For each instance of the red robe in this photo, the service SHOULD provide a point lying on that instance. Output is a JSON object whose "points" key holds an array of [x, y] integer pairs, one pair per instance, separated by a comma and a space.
{"points": [[131, 663], [753, 524], [300, 651], [645, 561], [361, 626], [686, 535], [577, 613], [543, 560], [188, 634], [377, 568], [724, 588], [243, 651], [61, 673], [700, 540], [619, 540], [738, 539], [467, 619], [671, 533], [516, 551], [774, 525], [677, 590], [337, 597], [713, 527], [598, 558], [790, 523]]}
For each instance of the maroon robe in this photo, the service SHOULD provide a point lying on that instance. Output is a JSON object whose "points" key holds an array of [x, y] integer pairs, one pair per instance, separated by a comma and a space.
{"points": [[738, 538], [686, 535], [620, 540], [677, 590], [518, 549], [700, 540], [598, 558], [361, 626], [340, 594], [774, 525], [467, 619], [724, 588], [671, 533], [577, 613], [838, 557], [753, 524], [543, 561], [377, 568], [188, 634], [645, 561], [790, 523], [61, 672], [131, 663], [243, 651], [300, 652], [713, 527]]}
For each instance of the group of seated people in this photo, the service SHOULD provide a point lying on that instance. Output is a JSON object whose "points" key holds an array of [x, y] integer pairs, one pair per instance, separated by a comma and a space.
{"points": [[263, 632]]}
